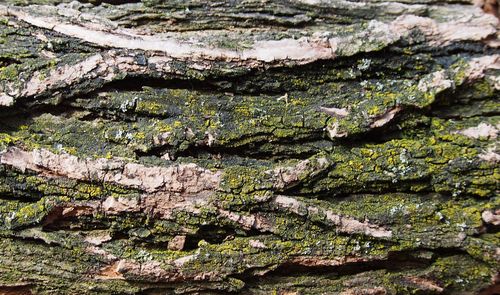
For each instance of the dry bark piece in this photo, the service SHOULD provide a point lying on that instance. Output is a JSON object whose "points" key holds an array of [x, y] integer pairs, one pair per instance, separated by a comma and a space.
{"points": [[289, 147]]}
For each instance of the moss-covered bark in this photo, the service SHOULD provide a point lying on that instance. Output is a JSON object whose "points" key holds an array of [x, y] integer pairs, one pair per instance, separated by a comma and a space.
{"points": [[253, 147]]}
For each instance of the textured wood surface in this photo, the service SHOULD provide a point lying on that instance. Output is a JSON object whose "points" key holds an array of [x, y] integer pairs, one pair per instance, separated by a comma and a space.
{"points": [[252, 147]]}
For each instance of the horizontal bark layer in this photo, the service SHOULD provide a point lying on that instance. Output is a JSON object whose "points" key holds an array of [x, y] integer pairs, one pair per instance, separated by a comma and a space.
{"points": [[294, 147]]}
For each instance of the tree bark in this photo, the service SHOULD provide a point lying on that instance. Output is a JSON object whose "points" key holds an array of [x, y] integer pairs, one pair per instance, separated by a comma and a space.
{"points": [[253, 147]]}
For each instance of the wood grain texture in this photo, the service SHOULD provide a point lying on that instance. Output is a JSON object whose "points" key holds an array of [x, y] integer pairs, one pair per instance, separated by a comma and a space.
{"points": [[249, 147]]}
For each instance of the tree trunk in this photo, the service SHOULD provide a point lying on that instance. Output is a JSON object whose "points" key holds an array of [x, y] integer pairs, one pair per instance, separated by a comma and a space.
{"points": [[253, 147]]}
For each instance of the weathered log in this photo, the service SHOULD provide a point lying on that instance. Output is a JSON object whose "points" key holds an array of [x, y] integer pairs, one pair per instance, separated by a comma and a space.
{"points": [[254, 147]]}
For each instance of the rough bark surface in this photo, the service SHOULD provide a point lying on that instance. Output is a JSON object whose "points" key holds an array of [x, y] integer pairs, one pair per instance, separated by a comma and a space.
{"points": [[254, 147]]}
